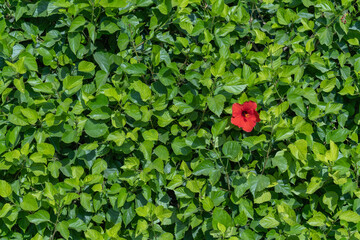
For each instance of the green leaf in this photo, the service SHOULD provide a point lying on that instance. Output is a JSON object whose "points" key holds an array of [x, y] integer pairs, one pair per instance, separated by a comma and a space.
{"points": [[30, 63], [195, 142], [17, 120], [350, 216], [314, 185], [280, 161], [108, 26], [10, 156], [287, 214], [326, 6], [44, 88], [39, 217], [162, 152], [30, 114], [76, 23], [186, 24], [325, 35], [100, 101], [13, 135], [235, 89], [117, 136], [113, 3], [328, 84], [195, 185], [162, 213], [19, 84], [74, 39], [122, 197], [146, 148], [93, 234], [333, 153], [283, 16], [216, 104], [104, 60], [219, 127], [219, 68], [95, 129], [299, 149], [330, 199], [99, 166], [207, 204], [123, 41], [85, 66], [253, 140], [260, 36], [269, 221], [5, 209], [283, 134], [92, 31], [101, 113], [280, 109], [72, 84], [221, 216], [63, 228], [113, 231], [19, 66], [333, 108], [85, 201], [69, 136], [262, 197], [143, 89], [136, 69], [151, 135], [217, 7], [338, 135], [180, 147], [5, 189], [165, 7], [29, 203], [183, 107], [204, 168], [231, 149], [318, 219], [258, 183], [46, 149]]}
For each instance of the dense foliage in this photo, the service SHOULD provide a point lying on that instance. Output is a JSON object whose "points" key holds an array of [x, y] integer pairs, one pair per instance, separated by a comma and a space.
{"points": [[115, 119]]}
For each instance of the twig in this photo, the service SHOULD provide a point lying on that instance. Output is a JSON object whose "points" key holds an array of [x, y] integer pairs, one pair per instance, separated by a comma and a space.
{"points": [[266, 159], [222, 163], [202, 117], [255, 47]]}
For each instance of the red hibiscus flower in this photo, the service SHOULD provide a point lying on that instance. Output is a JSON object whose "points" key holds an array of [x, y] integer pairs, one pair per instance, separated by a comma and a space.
{"points": [[245, 116]]}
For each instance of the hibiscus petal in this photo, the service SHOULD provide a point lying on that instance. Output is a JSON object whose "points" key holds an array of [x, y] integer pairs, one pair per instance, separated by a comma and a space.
{"points": [[238, 121], [257, 116], [250, 105], [253, 116], [237, 109], [249, 126], [246, 124], [245, 115]]}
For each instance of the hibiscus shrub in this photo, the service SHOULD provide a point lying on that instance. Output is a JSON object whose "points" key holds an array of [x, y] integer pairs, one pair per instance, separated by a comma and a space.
{"points": [[179, 119]]}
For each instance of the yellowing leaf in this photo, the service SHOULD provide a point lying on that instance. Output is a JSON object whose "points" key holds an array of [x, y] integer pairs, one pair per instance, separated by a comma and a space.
{"points": [[299, 150]]}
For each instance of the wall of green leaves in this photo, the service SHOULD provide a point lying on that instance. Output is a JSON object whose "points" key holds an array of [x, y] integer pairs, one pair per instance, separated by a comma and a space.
{"points": [[115, 119]]}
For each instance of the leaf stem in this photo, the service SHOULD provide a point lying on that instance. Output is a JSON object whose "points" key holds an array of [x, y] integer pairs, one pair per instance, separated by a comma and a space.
{"points": [[57, 221], [225, 167], [202, 117], [266, 158]]}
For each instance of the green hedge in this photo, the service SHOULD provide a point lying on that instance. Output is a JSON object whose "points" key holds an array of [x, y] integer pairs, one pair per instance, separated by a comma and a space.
{"points": [[116, 119]]}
